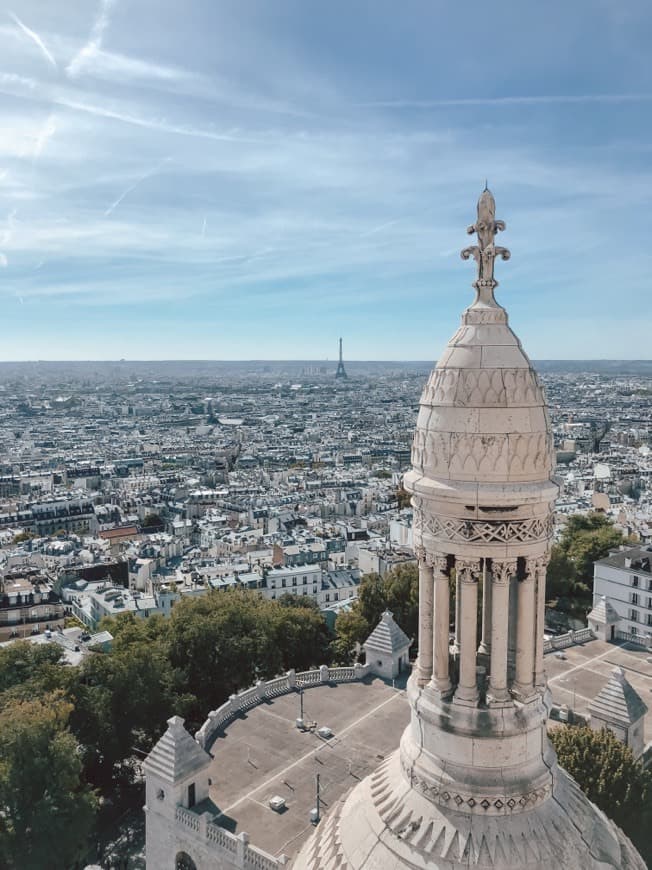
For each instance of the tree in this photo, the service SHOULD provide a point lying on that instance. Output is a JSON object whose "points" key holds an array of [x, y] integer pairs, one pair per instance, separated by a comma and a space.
{"points": [[587, 538], [607, 773], [397, 591], [43, 799], [561, 575], [351, 629], [151, 520]]}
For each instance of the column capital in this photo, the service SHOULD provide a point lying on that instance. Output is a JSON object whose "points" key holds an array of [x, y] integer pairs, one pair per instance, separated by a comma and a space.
{"points": [[420, 553], [438, 561], [536, 565], [468, 569], [502, 571]]}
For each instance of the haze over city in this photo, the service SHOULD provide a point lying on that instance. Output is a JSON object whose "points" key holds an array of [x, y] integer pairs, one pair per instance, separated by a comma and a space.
{"points": [[221, 180]]}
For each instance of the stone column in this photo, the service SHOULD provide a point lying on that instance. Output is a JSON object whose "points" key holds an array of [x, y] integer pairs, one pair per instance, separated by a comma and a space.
{"points": [[458, 601], [526, 625], [467, 574], [539, 566], [502, 573], [442, 625], [485, 641], [425, 619]]}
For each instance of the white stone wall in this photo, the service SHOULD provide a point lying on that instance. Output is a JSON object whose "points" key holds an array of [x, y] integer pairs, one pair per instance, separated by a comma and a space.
{"points": [[617, 585]]}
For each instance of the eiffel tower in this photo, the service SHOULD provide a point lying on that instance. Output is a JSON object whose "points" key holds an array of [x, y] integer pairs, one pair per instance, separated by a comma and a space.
{"points": [[340, 373]]}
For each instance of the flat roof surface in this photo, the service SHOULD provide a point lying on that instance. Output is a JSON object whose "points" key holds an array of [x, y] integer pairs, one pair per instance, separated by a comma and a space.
{"points": [[587, 669], [263, 754]]}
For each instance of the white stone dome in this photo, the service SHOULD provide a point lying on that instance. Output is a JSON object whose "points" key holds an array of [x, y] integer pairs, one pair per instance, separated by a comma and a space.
{"points": [[475, 782]]}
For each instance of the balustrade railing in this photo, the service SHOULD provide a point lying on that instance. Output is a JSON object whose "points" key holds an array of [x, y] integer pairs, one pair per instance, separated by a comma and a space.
{"points": [[249, 698]]}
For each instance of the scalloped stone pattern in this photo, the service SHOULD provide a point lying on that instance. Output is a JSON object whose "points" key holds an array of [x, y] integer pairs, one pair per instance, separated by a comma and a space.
{"points": [[384, 823]]}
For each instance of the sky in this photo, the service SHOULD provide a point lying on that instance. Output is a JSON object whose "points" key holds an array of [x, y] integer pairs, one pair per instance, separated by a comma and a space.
{"points": [[251, 179]]}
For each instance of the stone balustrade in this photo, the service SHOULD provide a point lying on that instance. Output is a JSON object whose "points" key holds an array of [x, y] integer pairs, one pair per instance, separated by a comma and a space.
{"points": [[241, 853], [251, 697], [562, 641]]}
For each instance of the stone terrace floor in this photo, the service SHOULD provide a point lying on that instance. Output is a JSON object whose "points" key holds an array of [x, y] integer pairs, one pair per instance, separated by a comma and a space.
{"points": [[263, 754], [587, 668]]}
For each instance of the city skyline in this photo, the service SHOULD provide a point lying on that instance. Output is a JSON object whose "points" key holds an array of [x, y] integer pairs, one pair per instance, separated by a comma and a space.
{"points": [[252, 182]]}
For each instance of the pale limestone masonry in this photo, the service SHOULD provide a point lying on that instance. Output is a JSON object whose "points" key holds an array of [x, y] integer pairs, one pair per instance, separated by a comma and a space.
{"points": [[387, 649], [620, 708], [475, 782], [180, 830]]}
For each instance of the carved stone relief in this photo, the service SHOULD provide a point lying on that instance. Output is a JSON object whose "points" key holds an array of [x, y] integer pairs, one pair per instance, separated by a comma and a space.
{"points": [[460, 453], [485, 531]]}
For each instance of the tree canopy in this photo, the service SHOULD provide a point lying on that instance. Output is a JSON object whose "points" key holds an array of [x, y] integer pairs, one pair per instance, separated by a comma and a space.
{"points": [[43, 798], [89, 726], [397, 591], [585, 539], [607, 773]]}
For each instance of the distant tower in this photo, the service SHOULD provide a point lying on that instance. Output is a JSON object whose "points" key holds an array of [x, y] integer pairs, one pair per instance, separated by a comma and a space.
{"points": [[340, 373], [475, 783]]}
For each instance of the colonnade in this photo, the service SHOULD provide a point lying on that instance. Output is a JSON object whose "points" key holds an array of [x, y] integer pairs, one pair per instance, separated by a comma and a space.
{"points": [[517, 675]]}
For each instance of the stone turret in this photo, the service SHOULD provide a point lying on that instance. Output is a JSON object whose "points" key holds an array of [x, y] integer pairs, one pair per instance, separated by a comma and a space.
{"points": [[620, 708], [475, 782], [387, 648]]}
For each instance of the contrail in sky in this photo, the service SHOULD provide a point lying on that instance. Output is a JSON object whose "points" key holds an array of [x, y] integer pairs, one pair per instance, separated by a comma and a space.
{"points": [[132, 187], [94, 43], [36, 39], [532, 100]]}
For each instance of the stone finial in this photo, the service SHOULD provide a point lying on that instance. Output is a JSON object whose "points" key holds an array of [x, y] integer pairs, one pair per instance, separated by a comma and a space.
{"points": [[485, 252]]}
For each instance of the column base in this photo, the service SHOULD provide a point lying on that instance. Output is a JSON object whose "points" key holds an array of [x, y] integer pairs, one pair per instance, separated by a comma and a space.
{"points": [[466, 697], [444, 688], [498, 698], [523, 693]]}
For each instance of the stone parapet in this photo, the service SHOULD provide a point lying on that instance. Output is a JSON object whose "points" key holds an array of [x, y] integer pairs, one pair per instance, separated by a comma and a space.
{"points": [[263, 690]]}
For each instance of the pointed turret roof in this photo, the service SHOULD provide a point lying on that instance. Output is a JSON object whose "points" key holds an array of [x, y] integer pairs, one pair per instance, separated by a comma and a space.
{"points": [[387, 636], [604, 612], [177, 755], [618, 701]]}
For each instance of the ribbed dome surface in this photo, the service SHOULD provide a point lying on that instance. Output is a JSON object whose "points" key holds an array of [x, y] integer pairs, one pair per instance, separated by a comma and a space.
{"points": [[482, 415]]}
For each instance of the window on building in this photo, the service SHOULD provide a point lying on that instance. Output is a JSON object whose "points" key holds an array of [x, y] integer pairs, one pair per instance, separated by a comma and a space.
{"points": [[305, 591], [649, 602], [634, 597], [336, 597], [305, 579], [314, 590], [294, 581], [328, 596], [283, 582], [191, 794], [634, 580], [633, 615], [649, 619]]}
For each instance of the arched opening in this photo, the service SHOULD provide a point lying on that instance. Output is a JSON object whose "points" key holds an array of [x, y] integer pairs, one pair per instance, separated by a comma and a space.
{"points": [[183, 861]]}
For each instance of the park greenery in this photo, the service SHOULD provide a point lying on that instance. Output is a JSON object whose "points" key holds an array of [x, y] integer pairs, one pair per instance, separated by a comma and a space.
{"points": [[585, 539], [72, 738], [607, 773], [397, 591]]}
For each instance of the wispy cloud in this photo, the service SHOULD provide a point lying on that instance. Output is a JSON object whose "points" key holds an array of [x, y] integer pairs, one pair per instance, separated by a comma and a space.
{"points": [[534, 100], [46, 132], [36, 39], [94, 44], [149, 174]]}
